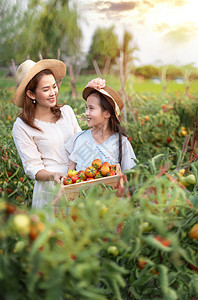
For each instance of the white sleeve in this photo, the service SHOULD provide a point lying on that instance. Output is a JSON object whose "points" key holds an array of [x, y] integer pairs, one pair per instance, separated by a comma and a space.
{"points": [[72, 118], [128, 156], [27, 150]]}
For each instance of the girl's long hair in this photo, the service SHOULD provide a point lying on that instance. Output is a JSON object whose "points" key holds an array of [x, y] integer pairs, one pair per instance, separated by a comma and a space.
{"points": [[114, 123], [29, 109]]}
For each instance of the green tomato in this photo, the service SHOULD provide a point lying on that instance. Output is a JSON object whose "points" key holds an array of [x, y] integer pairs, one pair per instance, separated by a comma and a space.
{"points": [[21, 224], [103, 211], [19, 246], [146, 227], [113, 250], [190, 179], [183, 181]]}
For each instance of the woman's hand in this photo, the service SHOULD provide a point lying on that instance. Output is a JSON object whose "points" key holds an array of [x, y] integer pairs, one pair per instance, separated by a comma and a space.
{"points": [[44, 175], [57, 177]]}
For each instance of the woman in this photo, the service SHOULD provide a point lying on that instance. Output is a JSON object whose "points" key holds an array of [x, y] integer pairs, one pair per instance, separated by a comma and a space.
{"points": [[43, 126]]}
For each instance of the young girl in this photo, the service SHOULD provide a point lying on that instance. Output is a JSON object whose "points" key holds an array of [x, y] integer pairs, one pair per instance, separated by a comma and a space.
{"points": [[106, 139], [43, 126]]}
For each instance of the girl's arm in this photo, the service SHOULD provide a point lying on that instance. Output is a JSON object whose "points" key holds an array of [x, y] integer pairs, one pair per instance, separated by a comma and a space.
{"points": [[71, 165], [128, 156]]}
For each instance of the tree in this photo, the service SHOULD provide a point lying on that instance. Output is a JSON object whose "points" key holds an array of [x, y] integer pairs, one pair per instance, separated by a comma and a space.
{"points": [[127, 51], [104, 46], [10, 15], [45, 26], [127, 58], [54, 27]]}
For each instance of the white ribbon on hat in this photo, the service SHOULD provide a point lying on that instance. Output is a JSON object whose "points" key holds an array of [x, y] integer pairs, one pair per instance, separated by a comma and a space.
{"points": [[99, 85]]}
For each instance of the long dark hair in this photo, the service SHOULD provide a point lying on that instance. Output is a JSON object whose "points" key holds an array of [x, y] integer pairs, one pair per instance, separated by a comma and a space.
{"points": [[114, 123], [29, 108]]}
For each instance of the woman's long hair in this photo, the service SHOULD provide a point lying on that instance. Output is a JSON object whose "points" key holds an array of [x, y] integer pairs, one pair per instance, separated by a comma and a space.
{"points": [[29, 108], [114, 123]]}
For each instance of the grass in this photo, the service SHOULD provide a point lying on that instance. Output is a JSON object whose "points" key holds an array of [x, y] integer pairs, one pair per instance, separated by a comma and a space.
{"points": [[134, 85]]}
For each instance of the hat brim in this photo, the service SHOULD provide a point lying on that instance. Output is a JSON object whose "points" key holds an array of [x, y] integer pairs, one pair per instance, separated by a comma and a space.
{"points": [[88, 90], [57, 67]]}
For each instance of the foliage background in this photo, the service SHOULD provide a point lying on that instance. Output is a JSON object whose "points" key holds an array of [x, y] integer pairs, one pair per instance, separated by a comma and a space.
{"points": [[104, 244]]}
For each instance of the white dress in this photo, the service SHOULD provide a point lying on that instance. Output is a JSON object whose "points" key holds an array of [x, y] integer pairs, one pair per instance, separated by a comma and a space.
{"points": [[83, 150], [45, 150]]}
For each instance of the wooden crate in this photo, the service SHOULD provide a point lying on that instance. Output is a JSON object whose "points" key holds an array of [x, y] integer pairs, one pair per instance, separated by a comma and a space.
{"points": [[71, 191]]}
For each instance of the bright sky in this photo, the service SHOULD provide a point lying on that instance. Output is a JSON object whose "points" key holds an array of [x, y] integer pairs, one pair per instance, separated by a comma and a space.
{"points": [[166, 31]]}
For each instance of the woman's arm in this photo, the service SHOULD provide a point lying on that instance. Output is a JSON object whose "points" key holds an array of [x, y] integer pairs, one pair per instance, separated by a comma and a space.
{"points": [[44, 175]]}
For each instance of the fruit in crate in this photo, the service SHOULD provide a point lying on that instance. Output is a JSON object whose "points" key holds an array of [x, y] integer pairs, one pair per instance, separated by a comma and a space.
{"points": [[98, 175], [97, 170], [90, 172], [113, 168], [67, 180], [82, 175], [74, 178], [96, 163], [71, 173], [105, 169], [111, 173]]}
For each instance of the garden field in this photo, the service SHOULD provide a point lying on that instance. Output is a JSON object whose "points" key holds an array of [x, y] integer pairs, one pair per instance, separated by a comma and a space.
{"points": [[137, 242]]}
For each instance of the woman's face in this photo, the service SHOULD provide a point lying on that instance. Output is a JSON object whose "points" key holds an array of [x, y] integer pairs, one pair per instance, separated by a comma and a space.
{"points": [[95, 115], [46, 92]]}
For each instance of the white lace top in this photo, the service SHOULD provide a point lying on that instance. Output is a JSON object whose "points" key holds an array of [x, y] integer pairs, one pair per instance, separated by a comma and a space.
{"points": [[45, 150]]}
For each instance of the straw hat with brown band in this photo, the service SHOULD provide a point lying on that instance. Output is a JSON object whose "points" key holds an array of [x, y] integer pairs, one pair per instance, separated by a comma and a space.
{"points": [[112, 96], [28, 69]]}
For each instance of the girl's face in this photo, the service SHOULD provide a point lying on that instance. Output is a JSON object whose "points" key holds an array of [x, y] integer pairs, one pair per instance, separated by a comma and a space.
{"points": [[95, 115], [46, 92]]}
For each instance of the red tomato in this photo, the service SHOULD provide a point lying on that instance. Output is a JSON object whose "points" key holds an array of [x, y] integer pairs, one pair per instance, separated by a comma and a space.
{"points": [[59, 242], [194, 232], [9, 173], [10, 208], [90, 171], [141, 263], [113, 168], [96, 163], [111, 173], [67, 180], [164, 241], [79, 172], [105, 169], [98, 175], [73, 256], [74, 178], [193, 267], [21, 179], [106, 163], [119, 228], [82, 175], [79, 180], [168, 140], [33, 232]]}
